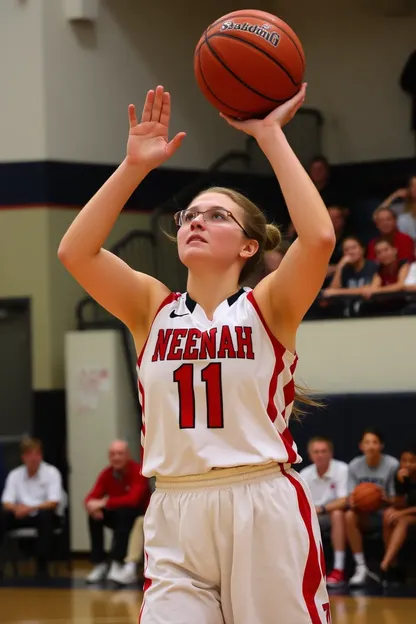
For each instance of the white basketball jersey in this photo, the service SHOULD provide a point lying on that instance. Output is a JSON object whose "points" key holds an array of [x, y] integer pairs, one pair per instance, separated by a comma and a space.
{"points": [[214, 393]]}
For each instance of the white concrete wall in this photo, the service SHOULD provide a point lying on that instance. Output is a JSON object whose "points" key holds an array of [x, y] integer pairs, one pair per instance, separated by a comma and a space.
{"points": [[22, 101], [93, 73], [357, 355], [354, 57]]}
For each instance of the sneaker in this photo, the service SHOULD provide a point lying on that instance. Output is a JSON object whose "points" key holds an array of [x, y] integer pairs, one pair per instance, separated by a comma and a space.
{"points": [[359, 577], [114, 571], [336, 578], [98, 573], [126, 574]]}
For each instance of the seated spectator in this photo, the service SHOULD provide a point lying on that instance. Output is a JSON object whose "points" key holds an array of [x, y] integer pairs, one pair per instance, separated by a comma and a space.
{"points": [[339, 219], [390, 278], [33, 498], [391, 273], [373, 467], [270, 262], [410, 280], [406, 222], [320, 174], [327, 479], [118, 497], [386, 223], [400, 518], [353, 271]]}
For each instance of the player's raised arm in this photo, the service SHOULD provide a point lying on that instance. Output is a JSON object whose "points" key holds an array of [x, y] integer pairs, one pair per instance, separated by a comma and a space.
{"points": [[287, 293], [131, 296]]}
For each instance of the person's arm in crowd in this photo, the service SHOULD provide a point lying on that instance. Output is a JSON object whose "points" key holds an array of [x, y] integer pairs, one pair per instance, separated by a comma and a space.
{"points": [[9, 495], [352, 483], [139, 490], [398, 286], [339, 503], [54, 493], [398, 194], [98, 490]]}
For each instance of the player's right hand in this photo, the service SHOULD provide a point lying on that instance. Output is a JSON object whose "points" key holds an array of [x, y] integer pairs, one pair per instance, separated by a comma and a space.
{"points": [[148, 144]]}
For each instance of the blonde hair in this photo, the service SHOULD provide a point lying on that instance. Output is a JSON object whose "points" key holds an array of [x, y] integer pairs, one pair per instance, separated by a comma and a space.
{"points": [[30, 444]]}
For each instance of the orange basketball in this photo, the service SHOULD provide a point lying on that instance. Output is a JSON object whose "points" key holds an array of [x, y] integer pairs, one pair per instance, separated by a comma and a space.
{"points": [[248, 62], [367, 497]]}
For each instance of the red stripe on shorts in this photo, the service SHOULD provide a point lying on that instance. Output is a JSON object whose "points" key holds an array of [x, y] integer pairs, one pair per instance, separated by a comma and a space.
{"points": [[312, 576], [147, 583]]}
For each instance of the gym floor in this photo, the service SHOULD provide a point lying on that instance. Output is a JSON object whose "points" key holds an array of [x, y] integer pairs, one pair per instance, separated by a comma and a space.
{"points": [[67, 600]]}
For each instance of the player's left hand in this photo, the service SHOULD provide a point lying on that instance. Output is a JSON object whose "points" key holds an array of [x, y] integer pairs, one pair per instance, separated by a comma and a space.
{"points": [[279, 117]]}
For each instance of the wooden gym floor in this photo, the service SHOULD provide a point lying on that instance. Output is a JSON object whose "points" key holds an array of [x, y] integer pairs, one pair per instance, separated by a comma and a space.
{"points": [[85, 606], [65, 600]]}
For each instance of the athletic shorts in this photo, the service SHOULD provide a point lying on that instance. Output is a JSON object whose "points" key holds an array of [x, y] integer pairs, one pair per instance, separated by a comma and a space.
{"points": [[236, 546]]}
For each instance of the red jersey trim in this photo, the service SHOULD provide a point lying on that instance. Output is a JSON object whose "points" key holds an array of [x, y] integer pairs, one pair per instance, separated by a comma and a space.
{"points": [[288, 390], [278, 347]]}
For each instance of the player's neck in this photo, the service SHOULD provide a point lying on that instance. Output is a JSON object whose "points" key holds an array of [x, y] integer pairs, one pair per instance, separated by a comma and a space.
{"points": [[209, 290], [373, 461]]}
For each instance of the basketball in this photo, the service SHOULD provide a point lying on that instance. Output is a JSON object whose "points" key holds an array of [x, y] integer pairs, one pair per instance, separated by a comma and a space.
{"points": [[248, 62], [368, 497]]}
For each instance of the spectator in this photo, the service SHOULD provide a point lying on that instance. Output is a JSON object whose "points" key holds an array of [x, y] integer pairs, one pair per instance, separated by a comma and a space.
{"points": [[390, 278], [33, 497], [406, 222], [339, 218], [270, 263], [118, 497], [320, 174], [400, 518], [353, 271], [386, 223], [327, 479], [373, 467], [391, 273]]}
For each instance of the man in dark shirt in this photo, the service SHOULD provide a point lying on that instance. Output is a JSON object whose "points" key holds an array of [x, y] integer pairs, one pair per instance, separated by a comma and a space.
{"points": [[402, 516], [119, 495]]}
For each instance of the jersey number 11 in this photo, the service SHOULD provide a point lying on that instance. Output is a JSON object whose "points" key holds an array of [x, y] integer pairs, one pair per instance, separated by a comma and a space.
{"points": [[211, 376]]}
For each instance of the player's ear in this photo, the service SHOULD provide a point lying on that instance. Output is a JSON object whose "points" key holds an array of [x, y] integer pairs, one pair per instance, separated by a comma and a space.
{"points": [[250, 248]]}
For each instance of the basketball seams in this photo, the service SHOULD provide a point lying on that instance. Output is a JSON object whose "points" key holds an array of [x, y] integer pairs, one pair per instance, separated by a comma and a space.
{"points": [[240, 80], [239, 110], [247, 16], [253, 45]]}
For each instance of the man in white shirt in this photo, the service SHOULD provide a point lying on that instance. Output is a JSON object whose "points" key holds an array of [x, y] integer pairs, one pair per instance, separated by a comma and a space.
{"points": [[328, 482], [31, 498]]}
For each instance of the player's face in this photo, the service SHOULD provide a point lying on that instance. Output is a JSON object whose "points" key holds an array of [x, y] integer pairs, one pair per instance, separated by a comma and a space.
{"points": [[353, 251], [370, 445], [385, 222], [320, 454], [408, 461], [214, 242]]}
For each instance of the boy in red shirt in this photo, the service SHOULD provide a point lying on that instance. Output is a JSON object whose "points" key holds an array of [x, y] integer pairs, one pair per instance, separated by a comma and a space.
{"points": [[119, 495]]}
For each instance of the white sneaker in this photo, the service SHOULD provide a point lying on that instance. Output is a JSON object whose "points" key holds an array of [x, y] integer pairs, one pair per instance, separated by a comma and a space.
{"points": [[359, 577], [114, 571], [98, 573], [126, 574]]}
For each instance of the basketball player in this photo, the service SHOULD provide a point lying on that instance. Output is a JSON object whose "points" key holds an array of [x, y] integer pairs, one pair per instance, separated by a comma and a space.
{"points": [[231, 534], [373, 466]]}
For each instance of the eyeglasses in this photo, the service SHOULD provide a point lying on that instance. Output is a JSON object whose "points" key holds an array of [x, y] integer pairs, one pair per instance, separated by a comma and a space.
{"points": [[212, 215]]}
